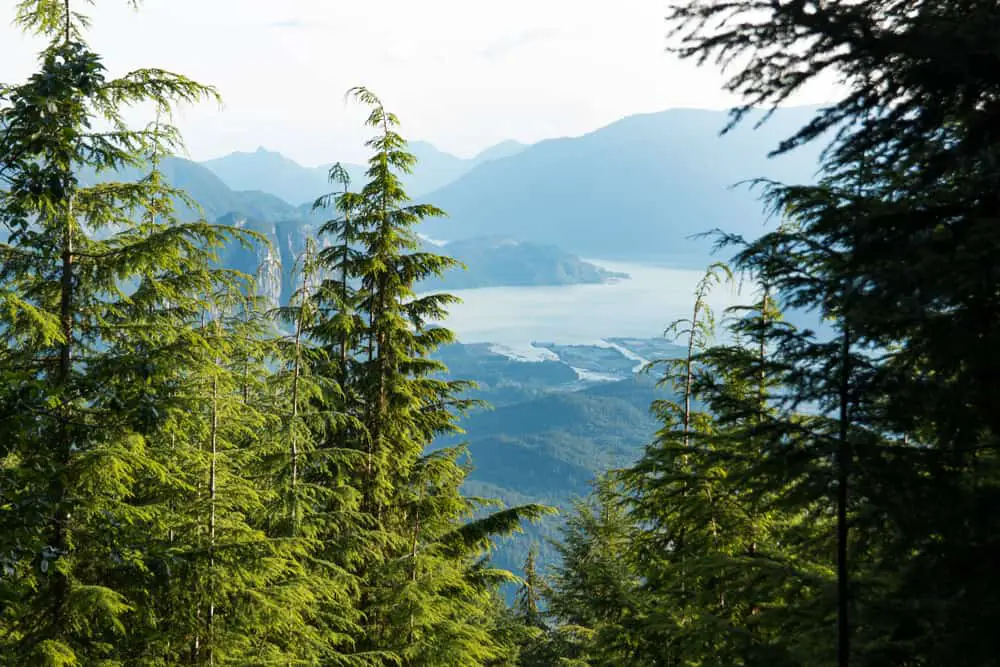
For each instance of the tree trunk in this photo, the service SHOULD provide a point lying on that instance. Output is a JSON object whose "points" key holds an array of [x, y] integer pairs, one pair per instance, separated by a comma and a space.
{"points": [[295, 415], [212, 491], [689, 373], [61, 539], [843, 472], [762, 355]]}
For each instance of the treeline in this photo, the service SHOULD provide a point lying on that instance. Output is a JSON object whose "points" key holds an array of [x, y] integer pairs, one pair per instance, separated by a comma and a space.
{"points": [[183, 481], [822, 498]]}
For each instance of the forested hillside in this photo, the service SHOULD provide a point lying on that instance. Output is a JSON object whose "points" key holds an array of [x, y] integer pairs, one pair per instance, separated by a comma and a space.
{"points": [[231, 437]]}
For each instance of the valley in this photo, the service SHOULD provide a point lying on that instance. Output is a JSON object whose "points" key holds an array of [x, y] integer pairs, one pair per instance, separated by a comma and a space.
{"points": [[558, 416], [555, 340], [537, 323]]}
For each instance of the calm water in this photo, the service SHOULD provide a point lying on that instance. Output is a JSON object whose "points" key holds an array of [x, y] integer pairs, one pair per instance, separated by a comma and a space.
{"points": [[640, 307]]}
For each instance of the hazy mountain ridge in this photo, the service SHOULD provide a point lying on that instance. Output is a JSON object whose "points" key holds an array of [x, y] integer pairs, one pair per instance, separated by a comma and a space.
{"points": [[215, 198], [634, 189], [272, 172]]}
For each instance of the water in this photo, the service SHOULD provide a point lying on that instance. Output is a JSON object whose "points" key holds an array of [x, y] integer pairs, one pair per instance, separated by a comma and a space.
{"points": [[640, 307]]}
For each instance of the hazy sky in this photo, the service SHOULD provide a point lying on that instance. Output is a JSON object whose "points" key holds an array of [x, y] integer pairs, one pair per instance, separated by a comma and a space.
{"points": [[462, 74]]}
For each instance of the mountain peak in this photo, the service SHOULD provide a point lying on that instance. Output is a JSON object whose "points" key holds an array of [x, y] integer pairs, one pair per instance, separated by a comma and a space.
{"points": [[506, 148], [637, 188]]}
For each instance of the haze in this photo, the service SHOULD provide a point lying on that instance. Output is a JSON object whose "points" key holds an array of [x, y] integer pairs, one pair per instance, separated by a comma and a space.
{"points": [[460, 75]]}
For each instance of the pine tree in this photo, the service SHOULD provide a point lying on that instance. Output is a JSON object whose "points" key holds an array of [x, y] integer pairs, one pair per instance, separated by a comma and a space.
{"points": [[132, 409], [916, 293], [342, 323], [596, 597], [427, 594], [528, 601], [696, 521], [97, 287]]}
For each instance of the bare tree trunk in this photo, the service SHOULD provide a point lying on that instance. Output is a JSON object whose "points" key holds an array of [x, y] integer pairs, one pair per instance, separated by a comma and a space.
{"points": [[292, 427], [343, 301], [689, 373], [843, 473], [765, 304], [61, 518], [212, 496]]}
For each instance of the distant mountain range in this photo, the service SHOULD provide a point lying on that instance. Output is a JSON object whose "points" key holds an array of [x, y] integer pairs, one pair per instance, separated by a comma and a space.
{"points": [[632, 190], [491, 261], [523, 215], [274, 173]]}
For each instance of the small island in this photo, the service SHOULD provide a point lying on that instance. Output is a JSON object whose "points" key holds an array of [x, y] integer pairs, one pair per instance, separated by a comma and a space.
{"points": [[503, 262]]}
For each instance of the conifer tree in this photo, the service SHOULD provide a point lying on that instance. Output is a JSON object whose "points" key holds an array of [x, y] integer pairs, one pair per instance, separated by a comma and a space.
{"points": [[922, 303], [426, 593], [343, 323], [93, 300], [529, 598], [596, 597], [130, 410]]}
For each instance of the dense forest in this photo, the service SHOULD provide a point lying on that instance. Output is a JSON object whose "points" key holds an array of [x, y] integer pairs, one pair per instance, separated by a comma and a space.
{"points": [[189, 476]]}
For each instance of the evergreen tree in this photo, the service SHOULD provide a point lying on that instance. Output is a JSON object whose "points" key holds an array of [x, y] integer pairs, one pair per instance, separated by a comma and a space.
{"points": [[94, 301], [596, 598], [131, 407], [910, 284], [700, 524], [427, 595], [528, 602]]}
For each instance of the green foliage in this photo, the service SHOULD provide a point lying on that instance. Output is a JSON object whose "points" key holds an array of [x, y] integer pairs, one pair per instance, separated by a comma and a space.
{"points": [[180, 481], [97, 302], [426, 592], [184, 482], [834, 502]]}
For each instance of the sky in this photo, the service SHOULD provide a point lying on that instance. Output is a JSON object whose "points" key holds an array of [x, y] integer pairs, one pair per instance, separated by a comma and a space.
{"points": [[461, 74]]}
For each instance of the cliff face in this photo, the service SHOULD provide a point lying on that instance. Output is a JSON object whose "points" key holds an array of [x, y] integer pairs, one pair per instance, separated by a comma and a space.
{"points": [[272, 258], [290, 240], [269, 278]]}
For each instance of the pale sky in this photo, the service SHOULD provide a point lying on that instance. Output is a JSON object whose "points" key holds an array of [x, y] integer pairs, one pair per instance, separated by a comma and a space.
{"points": [[461, 74]]}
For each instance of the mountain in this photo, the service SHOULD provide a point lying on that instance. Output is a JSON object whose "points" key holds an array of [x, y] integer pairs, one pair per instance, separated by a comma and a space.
{"points": [[499, 261], [272, 172], [208, 190], [550, 448], [217, 199], [491, 262], [272, 263], [504, 149], [632, 190]]}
